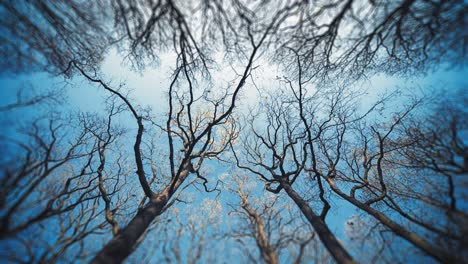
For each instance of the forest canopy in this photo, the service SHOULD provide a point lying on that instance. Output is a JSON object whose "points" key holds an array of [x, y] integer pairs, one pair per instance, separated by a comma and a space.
{"points": [[213, 131]]}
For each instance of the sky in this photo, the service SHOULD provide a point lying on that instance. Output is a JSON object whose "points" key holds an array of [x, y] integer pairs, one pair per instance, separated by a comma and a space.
{"points": [[149, 88]]}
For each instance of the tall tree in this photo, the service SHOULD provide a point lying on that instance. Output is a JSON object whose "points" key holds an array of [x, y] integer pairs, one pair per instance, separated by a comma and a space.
{"points": [[269, 222], [312, 136]]}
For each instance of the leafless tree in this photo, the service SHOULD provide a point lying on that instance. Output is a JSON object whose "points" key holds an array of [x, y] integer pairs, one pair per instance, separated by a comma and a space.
{"points": [[308, 135], [361, 36], [52, 189], [188, 233], [199, 124], [271, 224], [352, 36], [382, 179], [279, 155], [339, 36]]}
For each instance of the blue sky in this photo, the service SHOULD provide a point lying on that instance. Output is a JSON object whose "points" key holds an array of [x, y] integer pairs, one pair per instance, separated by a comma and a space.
{"points": [[149, 89]]}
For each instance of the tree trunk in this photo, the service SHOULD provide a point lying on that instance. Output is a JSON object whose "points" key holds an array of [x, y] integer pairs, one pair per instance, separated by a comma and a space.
{"points": [[266, 250], [268, 254], [123, 244], [326, 236], [411, 237]]}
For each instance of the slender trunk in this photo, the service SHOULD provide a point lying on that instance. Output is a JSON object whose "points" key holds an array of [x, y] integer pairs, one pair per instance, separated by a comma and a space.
{"points": [[266, 250], [268, 254], [326, 236], [123, 244], [411, 237]]}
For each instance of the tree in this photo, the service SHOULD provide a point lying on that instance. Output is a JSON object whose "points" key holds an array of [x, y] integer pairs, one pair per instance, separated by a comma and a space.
{"points": [[77, 173], [308, 136], [58, 178], [187, 234], [280, 154], [355, 37], [277, 231]]}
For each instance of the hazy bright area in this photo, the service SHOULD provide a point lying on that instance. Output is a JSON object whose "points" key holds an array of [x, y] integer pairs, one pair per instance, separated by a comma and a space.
{"points": [[232, 131]]}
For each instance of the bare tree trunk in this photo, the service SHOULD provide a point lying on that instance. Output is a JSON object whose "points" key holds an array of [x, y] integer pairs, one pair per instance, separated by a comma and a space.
{"points": [[268, 254], [266, 250], [123, 244], [326, 236], [411, 237]]}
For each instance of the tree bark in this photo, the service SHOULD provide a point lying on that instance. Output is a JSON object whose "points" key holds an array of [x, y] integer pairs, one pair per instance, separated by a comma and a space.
{"points": [[326, 236], [411, 237], [123, 244], [268, 254], [266, 250]]}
